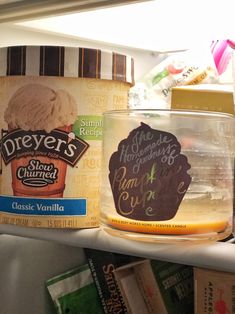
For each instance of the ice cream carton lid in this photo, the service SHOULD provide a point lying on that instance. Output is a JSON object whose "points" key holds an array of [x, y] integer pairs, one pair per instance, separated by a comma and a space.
{"points": [[66, 62]]}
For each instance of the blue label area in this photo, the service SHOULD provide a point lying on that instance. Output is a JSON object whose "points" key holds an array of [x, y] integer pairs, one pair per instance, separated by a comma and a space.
{"points": [[39, 206]]}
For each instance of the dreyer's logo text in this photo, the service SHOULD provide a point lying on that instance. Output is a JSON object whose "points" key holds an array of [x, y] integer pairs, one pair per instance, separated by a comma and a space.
{"points": [[37, 157], [57, 144]]}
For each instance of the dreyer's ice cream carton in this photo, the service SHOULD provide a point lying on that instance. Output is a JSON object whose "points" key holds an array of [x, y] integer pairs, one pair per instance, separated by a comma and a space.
{"points": [[52, 100]]}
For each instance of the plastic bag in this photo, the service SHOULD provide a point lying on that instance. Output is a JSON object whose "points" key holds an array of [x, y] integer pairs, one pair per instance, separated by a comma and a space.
{"points": [[182, 68], [74, 292]]}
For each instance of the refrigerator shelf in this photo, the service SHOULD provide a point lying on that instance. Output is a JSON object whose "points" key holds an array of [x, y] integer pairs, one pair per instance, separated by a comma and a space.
{"points": [[216, 255]]}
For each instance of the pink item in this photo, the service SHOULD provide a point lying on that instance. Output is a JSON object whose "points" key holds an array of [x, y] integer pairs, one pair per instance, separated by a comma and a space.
{"points": [[222, 53], [231, 43]]}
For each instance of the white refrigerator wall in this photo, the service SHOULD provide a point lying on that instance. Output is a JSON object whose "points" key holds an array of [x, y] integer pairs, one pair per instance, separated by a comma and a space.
{"points": [[25, 265]]}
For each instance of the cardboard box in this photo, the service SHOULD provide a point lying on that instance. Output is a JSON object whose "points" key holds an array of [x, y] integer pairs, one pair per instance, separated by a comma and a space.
{"points": [[214, 292], [167, 288], [206, 97], [130, 290]]}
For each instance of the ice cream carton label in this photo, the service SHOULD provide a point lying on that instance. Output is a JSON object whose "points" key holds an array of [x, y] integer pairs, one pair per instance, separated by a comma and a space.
{"points": [[51, 132]]}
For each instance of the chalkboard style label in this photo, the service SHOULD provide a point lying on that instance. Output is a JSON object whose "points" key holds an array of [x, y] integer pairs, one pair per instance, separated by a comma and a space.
{"points": [[148, 175]]}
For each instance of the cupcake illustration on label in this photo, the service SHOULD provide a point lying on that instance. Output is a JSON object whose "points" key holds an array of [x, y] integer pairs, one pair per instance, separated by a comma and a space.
{"points": [[148, 175], [39, 142]]}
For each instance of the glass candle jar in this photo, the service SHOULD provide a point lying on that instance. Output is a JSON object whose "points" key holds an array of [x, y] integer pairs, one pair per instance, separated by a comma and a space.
{"points": [[167, 175]]}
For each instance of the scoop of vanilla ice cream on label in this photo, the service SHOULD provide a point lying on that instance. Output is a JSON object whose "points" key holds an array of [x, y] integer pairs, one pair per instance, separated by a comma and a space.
{"points": [[38, 107]]}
